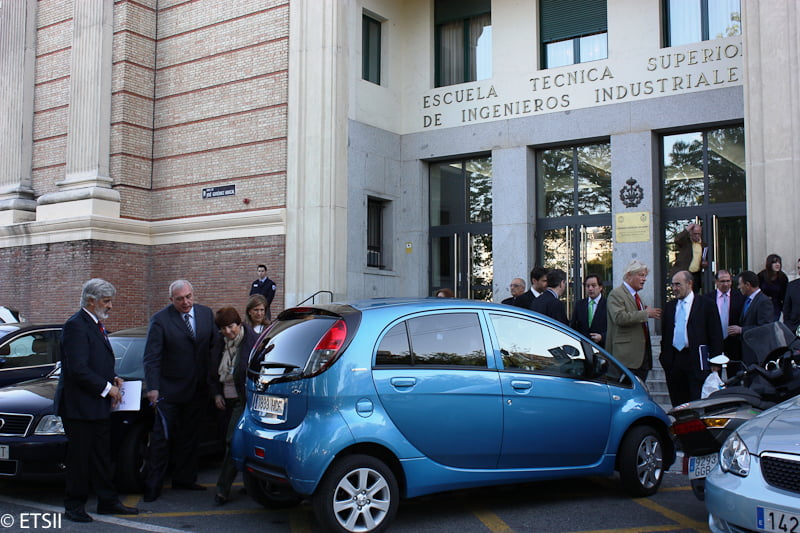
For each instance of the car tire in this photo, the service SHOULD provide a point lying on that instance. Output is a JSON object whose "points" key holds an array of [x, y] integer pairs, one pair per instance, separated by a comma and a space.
{"points": [[267, 495], [132, 460], [641, 461], [358, 493]]}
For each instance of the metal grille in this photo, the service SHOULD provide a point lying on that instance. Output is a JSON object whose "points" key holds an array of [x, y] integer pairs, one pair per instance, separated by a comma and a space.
{"points": [[781, 470], [14, 424]]}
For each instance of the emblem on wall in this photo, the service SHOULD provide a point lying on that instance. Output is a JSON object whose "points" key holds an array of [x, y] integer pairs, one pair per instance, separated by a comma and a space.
{"points": [[631, 194]]}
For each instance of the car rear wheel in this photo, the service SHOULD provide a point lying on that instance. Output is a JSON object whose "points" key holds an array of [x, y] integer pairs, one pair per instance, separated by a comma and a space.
{"points": [[359, 493], [641, 461], [267, 495], [132, 460]]}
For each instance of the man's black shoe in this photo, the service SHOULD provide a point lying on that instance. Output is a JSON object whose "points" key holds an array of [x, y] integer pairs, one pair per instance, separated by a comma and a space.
{"points": [[77, 515], [187, 486], [116, 508]]}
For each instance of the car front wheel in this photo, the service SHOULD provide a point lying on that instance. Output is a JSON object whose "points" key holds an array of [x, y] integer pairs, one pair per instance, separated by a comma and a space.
{"points": [[641, 461], [359, 493]]}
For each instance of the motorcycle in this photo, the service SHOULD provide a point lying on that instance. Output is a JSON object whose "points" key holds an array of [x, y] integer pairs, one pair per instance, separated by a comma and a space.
{"points": [[702, 426]]}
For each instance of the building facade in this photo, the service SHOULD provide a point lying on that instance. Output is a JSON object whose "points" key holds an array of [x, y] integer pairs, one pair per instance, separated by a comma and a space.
{"points": [[385, 147]]}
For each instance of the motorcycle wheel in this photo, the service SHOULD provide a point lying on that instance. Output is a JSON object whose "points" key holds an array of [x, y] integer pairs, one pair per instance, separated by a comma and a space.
{"points": [[641, 461]]}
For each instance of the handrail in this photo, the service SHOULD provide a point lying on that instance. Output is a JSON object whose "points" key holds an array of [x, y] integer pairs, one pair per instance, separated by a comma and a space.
{"points": [[329, 293]]}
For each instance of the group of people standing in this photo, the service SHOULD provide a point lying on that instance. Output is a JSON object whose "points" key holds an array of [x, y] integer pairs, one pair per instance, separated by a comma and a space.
{"points": [[694, 326], [192, 356]]}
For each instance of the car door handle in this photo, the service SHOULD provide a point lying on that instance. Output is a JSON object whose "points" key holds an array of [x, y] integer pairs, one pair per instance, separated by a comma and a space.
{"points": [[518, 384], [403, 383]]}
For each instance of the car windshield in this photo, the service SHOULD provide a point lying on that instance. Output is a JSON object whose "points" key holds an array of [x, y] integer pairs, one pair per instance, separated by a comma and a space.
{"points": [[129, 352]]}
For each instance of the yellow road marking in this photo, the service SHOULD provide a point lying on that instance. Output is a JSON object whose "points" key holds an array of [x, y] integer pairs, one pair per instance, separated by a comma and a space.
{"points": [[492, 522], [683, 520]]}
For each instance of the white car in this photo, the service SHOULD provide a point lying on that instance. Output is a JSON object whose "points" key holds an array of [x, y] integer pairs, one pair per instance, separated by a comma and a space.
{"points": [[756, 486]]}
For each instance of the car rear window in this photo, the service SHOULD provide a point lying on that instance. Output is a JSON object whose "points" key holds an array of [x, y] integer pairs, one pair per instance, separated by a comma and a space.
{"points": [[289, 343]]}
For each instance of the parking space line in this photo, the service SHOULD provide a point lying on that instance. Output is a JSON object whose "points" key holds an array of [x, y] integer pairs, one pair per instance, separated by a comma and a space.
{"points": [[492, 522], [681, 519], [106, 519]]}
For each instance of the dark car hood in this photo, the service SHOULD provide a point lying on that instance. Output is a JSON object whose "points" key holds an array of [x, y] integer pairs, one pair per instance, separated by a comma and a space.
{"points": [[31, 397]]}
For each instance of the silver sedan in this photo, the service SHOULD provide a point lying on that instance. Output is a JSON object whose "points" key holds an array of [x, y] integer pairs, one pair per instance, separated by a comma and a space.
{"points": [[756, 486]]}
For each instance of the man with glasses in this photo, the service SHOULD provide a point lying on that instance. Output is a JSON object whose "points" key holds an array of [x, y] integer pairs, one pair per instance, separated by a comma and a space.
{"points": [[690, 334], [519, 296], [729, 302]]}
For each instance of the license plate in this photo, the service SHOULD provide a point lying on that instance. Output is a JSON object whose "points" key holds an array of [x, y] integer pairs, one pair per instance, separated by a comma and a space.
{"points": [[775, 521], [3, 451], [274, 406], [700, 467]]}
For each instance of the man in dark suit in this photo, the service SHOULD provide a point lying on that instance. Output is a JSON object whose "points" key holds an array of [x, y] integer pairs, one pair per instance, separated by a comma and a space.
{"points": [[691, 254], [519, 296], [688, 323], [265, 287], [729, 302], [791, 303], [87, 389], [756, 311], [180, 342], [549, 302], [589, 315], [538, 281]]}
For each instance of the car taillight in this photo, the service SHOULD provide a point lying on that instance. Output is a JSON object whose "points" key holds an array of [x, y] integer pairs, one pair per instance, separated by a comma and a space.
{"points": [[690, 426], [327, 349]]}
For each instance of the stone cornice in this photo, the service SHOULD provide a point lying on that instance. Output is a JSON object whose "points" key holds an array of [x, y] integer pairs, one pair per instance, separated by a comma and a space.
{"points": [[205, 228]]}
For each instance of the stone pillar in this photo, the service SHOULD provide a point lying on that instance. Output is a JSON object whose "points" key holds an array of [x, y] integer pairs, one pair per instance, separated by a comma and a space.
{"points": [[17, 60], [513, 217], [316, 196], [772, 129], [637, 178], [86, 188]]}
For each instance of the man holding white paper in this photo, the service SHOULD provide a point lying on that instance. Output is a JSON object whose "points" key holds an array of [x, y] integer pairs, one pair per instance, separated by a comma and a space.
{"points": [[87, 391]]}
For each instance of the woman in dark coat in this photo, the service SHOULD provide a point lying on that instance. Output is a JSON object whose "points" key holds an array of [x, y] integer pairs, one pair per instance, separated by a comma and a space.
{"points": [[227, 375], [772, 282]]}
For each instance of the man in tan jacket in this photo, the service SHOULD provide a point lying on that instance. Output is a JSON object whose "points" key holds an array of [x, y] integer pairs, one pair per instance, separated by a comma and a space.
{"points": [[628, 335]]}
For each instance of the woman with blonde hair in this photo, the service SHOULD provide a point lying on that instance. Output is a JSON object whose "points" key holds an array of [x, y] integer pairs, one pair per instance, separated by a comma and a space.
{"points": [[256, 312]]}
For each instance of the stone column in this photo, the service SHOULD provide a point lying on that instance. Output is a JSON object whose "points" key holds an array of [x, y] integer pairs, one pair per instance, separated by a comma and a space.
{"points": [[772, 129], [17, 60], [86, 188], [637, 178], [316, 196], [513, 217]]}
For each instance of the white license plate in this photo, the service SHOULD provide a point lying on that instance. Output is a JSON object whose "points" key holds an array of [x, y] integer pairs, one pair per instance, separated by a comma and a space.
{"points": [[700, 467], [269, 405], [3, 451], [775, 521]]}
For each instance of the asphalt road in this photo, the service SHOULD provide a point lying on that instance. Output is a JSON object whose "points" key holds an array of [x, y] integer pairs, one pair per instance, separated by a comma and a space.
{"points": [[587, 505]]}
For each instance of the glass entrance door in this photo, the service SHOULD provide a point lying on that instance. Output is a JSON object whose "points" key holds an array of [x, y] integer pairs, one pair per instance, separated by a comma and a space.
{"points": [[461, 227], [463, 262], [578, 250]]}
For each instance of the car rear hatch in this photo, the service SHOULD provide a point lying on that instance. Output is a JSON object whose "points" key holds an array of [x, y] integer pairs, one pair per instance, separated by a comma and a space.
{"points": [[303, 342]]}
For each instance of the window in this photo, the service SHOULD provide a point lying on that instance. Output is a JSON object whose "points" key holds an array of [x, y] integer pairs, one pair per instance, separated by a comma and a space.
{"points": [[463, 41], [691, 21], [447, 339], [704, 167], [33, 349], [574, 180], [375, 214], [573, 31], [371, 49], [530, 346]]}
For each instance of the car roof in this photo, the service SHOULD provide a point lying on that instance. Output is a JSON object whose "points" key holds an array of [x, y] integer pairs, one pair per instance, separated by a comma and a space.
{"points": [[5, 329], [140, 331]]}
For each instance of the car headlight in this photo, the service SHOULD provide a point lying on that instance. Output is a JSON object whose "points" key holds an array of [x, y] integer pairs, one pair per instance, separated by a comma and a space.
{"points": [[734, 457], [49, 425]]}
